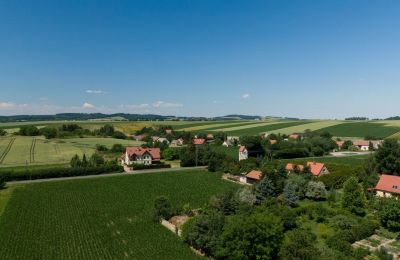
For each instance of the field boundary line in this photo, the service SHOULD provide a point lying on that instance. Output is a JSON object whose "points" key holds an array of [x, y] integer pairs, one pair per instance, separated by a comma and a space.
{"points": [[32, 151], [7, 150]]}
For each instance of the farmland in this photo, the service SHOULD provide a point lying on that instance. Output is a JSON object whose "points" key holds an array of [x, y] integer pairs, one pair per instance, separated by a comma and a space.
{"points": [[362, 129], [104, 218], [21, 150]]}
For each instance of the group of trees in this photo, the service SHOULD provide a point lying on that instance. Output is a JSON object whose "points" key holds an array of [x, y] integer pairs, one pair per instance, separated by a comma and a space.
{"points": [[2, 132], [95, 160]]}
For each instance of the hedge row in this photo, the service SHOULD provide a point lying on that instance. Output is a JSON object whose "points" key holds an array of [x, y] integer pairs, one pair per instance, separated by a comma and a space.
{"points": [[151, 166], [56, 172]]}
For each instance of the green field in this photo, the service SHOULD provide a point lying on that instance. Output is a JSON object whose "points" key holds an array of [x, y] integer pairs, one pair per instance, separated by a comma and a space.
{"points": [[362, 129], [272, 127], [232, 151], [22, 150], [103, 218]]}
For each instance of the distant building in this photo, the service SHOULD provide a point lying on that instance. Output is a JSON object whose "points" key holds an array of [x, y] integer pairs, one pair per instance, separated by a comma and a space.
{"points": [[363, 145], [168, 131], [227, 143], [162, 140], [210, 136], [388, 186], [252, 177], [296, 136], [340, 144], [141, 155], [316, 169], [273, 141], [243, 153], [139, 137], [177, 142], [198, 141]]}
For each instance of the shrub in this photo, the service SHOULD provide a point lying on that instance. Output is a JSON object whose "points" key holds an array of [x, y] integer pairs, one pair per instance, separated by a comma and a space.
{"points": [[117, 148], [151, 166], [162, 208], [29, 130], [389, 213], [101, 148]]}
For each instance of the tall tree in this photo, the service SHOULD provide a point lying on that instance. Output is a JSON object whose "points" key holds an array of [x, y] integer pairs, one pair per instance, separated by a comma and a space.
{"points": [[388, 157], [299, 244], [353, 196], [264, 189]]}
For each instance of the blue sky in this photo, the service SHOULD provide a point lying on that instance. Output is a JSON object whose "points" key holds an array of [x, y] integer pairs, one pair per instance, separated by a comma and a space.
{"points": [[308, 59]]}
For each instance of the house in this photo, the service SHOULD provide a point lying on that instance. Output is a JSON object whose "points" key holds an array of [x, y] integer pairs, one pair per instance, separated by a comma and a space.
{"points": [[210, 136], [316, 169], [253, 177], [155, 138], [273, 141], [227, 143], [139, 137], [295, 136], [141, 155], [198, 141], [177, 142], [162, 140], [340, 144], [363, 145], [243, 153], [168, 131], [388, 186]]}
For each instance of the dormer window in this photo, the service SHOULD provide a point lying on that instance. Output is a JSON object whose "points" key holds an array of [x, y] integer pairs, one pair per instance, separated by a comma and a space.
{"points": [[395, 187]]}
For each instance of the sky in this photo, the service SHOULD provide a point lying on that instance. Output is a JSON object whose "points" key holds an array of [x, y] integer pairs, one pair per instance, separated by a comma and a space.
{"points": [[306, 59]]}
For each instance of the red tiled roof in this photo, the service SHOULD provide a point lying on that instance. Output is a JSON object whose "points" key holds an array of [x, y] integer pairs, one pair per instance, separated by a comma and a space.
{"points": [[139, 151], [255, 175], [168, 131], [315, 167], [291, 167], [294, 136], [339, 143], [210, 136], [273, 141], [198, 141], [242, 148], [389, 183], [361, 143]]}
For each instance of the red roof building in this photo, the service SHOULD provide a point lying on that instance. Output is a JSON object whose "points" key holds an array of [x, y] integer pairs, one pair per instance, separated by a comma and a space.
{"points": [[198, 141], [273, 141], [141, 155], [316, 168], [253, 176], [388, 185]]}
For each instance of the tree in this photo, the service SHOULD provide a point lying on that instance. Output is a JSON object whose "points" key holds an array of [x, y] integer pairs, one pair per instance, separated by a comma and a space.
{"points": [[289, 194], [75, 161], [29, 130], [257, 236], [106, 130], [118, 148], [119, 135], [246, 195], [162, 208], [389, 213], [84, 162], [49, 132], [96, 160], [226, 203], [316, 190], [2, 182], [346, 145], [2, 132], [203, 232], [388, 157], [169, 154], [264, 189], [299, 244], [353, 196]]}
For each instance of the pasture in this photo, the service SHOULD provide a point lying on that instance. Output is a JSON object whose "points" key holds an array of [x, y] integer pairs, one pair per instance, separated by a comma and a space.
{"points": [[22, 150], [103, 218]]}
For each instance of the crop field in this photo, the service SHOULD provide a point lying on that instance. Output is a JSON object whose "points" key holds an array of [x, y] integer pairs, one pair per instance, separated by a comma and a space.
{"points": [[313, 126], [270, 128], [103, 218], [362, 129], [21, 150], [219, 126]]}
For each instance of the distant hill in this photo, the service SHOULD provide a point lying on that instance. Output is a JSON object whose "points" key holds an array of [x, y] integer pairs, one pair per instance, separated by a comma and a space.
{"points": [[117, 117]]}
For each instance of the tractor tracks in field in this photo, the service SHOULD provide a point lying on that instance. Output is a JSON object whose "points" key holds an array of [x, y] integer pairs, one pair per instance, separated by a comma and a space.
{"points": [[32, 151], [7, 150]]}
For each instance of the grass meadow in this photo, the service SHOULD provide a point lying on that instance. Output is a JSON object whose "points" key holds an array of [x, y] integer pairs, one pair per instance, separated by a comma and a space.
{"points": [[362, 129], [104, 218]]}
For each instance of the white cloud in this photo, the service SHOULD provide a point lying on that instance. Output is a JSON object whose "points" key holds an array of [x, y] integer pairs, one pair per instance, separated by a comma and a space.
{"points": [[136, 106], [246, 96], [11, 105], [162, 104], [88, 106], [95, 92]]}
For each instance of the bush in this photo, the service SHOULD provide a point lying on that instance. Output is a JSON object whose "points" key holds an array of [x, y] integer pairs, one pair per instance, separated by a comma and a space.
{"points": [[29, 130], [2, 132], [117, 148], [56, 172], [2, 182], [389, 213], [151, 166], [162, 208], [119, 135], [101, 148]]}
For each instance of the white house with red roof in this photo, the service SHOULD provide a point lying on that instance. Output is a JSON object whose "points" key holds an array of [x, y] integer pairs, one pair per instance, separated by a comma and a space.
{"points": [[141, 155], [316, 169], [251, 177], [388, 186], [198, 141], [243, 153], [363, 145]]}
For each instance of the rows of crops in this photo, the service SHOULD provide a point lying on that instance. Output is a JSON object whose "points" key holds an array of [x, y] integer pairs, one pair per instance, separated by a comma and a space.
{"points": [[6, 150], [105, 218], [362, 129], [273, 127]]}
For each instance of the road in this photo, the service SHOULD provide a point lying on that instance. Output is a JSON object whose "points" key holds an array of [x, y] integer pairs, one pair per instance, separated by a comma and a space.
{"points": [[106, 175]]}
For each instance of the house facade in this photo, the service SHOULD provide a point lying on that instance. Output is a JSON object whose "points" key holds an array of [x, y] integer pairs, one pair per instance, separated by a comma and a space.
{"points": [[252, 177], [243, 153], [139, 155], [316, 169], [388, 186], [362, 145]]}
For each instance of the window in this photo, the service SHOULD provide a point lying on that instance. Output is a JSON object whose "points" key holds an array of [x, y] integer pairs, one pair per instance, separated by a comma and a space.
{"points": [[395, 187]]}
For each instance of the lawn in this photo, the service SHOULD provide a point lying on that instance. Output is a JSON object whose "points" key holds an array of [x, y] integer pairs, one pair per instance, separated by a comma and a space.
{"points": [[266, 127], [362, 129], [232, 151], [104, 218], [38, 151]]}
